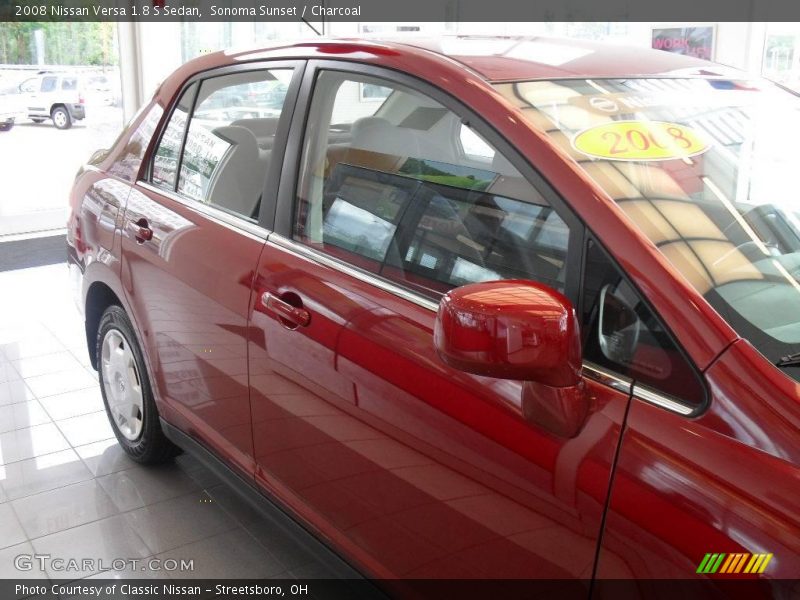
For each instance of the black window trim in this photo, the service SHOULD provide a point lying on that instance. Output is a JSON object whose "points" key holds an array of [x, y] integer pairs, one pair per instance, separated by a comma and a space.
{"points": [[642, 391], [264, 224]]}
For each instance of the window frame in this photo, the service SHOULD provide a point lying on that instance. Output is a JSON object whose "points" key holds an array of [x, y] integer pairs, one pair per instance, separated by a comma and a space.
{"points": [[287, 194], [271, 177]]}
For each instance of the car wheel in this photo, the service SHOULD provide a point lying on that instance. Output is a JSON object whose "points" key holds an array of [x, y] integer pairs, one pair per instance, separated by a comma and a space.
{"points": [[6, 126], [127, 393], [61, 118], [37, 120]]}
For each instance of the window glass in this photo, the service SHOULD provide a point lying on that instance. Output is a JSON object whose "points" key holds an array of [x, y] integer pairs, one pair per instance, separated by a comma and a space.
{"points": [[30, 85], [387, 184], [69, 83], [231, 135], [622, 333], [48, 84], [165, 161]]}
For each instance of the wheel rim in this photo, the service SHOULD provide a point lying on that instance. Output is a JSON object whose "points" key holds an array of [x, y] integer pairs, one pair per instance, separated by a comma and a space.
{"points": [[60, 118], [122, 384]]}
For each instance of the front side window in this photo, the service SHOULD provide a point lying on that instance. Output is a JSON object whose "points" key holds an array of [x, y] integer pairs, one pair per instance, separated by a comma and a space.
{"points": [[49, 84], [397, 184], [621, 333], [706, 168]]}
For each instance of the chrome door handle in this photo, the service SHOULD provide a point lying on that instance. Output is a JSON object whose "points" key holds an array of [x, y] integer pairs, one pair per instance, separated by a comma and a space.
{"points": [[297, 316], [141, 230]]}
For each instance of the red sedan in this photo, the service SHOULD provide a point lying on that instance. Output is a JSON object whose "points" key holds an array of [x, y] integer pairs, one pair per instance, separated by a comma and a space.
{"points": [[496, 308]]}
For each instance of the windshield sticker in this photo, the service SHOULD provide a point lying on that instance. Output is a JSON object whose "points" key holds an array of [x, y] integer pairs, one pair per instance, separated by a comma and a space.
{"points": [[640, 140]]}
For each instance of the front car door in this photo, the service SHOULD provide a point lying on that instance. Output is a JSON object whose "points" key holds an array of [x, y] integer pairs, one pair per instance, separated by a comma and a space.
{"points": [[415, 469], [191, 239]]}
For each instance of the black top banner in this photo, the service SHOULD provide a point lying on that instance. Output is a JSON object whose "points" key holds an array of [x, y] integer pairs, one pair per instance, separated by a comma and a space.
{"points": [[402, 11]]}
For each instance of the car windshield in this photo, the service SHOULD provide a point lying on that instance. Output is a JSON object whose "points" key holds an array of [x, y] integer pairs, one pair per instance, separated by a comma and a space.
{"points": [[707, 169]]}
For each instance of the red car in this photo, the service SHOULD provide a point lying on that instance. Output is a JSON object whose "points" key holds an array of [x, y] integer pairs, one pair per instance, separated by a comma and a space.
{"points": [[497, 308]]}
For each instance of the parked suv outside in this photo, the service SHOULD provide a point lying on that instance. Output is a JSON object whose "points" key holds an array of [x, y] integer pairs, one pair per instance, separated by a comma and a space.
{"points": [[56, 96], [462, 312]]}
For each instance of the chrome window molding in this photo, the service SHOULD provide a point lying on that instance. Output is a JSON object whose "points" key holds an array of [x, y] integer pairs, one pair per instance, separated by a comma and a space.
{"points": [[239, 224], [333, 263], [660, 400], [607, 378]]}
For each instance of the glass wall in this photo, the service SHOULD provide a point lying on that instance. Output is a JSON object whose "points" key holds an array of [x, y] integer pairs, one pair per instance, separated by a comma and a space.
{"points": [[782, 54], [60, 84]]}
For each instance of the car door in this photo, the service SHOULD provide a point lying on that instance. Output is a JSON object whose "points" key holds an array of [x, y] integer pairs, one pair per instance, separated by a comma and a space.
{"points": [[191, 239], [33, 90], [415, 469]]}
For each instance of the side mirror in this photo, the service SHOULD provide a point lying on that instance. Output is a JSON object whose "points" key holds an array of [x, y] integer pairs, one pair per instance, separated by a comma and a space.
{"points": [[618, 333], [518, 330]]}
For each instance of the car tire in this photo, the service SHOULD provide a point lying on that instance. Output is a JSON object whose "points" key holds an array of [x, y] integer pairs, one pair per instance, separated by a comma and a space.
{"points": [[6, 126], [127, 393], [37, 120], [61, 118]]}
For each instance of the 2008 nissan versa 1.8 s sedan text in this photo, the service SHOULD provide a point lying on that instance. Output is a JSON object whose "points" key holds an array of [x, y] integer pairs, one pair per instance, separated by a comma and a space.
{"points": [[495, 308]]}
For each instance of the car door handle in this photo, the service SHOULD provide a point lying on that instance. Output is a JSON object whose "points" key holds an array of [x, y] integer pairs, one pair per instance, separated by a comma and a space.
{"points": [[288, 314], [141, 230]]}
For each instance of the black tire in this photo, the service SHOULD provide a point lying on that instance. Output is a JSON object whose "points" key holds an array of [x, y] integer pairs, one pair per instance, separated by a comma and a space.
{"points": [[61, 118], [151, 446], [6, 126], [37, 120]]}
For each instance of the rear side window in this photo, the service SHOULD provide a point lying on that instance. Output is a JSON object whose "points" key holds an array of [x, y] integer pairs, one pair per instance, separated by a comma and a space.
{"points": [[69, 83], [229, 144], [397, 184]]}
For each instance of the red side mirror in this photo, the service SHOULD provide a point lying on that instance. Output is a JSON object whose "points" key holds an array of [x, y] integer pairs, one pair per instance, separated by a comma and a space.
{"points": [[518, 330], [510, 330]]}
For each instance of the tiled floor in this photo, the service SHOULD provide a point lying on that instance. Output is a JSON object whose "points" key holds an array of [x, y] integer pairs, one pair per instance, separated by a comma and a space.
{"points": [[66, 488]]}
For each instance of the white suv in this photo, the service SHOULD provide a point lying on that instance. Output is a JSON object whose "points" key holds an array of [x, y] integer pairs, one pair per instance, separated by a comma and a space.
{"points": [[55, 96]]}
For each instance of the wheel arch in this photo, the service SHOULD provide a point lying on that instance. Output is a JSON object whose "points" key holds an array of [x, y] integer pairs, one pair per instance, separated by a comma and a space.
{"points": [[99, 297]]}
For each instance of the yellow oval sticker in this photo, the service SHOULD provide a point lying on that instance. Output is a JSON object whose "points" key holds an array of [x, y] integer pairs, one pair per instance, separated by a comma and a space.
{"points": [[640, 140]]}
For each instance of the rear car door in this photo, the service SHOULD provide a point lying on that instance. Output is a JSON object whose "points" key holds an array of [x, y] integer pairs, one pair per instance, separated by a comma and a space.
{"points": [[191, 239], [416, 469]]}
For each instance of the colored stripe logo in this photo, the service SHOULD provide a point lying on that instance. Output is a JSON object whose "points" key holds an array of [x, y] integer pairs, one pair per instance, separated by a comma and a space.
{"points": [[733, 563]]}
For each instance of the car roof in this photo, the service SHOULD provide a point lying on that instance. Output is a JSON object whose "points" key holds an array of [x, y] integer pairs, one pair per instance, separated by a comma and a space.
{"points": [[491, 58], [516, 58]]}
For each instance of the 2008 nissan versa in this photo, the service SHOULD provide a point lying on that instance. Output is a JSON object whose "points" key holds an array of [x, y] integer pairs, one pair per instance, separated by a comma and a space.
{"points": [[471, 307]]}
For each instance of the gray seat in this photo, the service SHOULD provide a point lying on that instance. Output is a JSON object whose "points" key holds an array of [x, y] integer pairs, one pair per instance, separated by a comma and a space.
{"points": [[239, 178]]}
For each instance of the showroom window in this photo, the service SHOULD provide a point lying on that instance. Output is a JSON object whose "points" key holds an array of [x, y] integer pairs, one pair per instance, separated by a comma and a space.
{"points": [[392, 183], [229, 143]]}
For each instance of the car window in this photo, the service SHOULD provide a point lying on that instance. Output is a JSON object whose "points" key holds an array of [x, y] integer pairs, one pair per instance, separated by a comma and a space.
{"points": [[387, 185], [231, 134], [30, 85], [621, 333], [69, 83], [49, 84], [165, 159]]}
